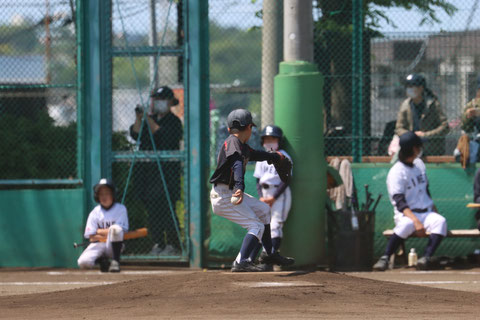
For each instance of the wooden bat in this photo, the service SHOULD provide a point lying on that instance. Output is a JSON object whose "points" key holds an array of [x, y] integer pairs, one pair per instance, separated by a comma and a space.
{"points": [[139, 233], [473, 205]]}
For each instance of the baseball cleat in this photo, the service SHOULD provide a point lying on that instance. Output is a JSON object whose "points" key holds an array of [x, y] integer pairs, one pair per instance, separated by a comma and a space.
{"points": [[424, 263], [114, 266], [265, 267], [276, 258], [104, 264], [245, 266], [382, 264]]}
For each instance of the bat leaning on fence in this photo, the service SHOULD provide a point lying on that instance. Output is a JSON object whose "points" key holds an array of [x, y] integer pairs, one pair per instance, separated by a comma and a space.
{"points": [[473, 205], [139, 233]]}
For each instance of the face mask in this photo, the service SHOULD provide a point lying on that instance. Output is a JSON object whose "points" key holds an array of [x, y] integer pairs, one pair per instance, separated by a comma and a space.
{"points": [[160, 106], [412, 92], [271, 146]]}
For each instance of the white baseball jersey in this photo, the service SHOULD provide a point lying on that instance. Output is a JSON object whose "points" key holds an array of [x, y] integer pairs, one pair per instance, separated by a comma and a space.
{"points": [[411, 182], [267, 173], [100, 218]]}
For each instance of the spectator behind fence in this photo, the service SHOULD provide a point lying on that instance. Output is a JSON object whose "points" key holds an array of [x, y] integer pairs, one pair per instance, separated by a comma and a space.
{"points": [[167, 132], [421, 113], [471, 113]]}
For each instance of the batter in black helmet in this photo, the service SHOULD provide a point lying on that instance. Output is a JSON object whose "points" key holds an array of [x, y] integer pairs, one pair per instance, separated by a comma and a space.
{"points": [[106, 225], [271, 189], [421, 113]]}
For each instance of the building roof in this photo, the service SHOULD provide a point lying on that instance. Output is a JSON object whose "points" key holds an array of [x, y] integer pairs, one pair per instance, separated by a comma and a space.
{"points": [[28, 69]]}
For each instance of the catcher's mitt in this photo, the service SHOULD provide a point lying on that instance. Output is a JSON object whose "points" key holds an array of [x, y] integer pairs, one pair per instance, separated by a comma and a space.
{"points": [[284, 169]]}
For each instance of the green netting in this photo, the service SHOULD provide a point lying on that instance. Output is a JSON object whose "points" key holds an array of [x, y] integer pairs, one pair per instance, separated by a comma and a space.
{"points": [[38, 107]]}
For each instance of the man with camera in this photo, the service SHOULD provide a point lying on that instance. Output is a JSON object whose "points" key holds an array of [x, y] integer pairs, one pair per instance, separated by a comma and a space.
{"points": [[167, 132]]}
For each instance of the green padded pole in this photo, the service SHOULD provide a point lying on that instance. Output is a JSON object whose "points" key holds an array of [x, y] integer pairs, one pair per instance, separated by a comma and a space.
{"points": [[299, 112]]}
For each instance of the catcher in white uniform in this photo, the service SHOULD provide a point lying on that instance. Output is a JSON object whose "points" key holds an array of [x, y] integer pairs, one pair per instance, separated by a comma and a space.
{"points": [[271, 189], [106, 225], [414, 210]]}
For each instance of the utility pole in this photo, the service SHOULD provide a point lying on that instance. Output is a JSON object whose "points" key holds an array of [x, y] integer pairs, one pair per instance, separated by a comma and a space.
{"points": [[47, 42], [298, 30], [271, 54], [152, 41]]}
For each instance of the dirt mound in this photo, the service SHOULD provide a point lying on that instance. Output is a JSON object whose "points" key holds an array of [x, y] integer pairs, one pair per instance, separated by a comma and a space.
{"points": [[220, 295]]}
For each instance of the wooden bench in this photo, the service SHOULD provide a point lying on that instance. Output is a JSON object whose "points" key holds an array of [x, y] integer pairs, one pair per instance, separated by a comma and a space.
{"points": [[459, 233]]}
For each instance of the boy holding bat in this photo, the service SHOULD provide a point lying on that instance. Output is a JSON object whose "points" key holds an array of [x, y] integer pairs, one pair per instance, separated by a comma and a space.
{"points": [[106, 225]]}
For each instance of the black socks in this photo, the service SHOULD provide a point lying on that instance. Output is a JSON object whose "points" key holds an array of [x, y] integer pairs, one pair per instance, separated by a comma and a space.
{"points": [[248, 245], [117, 249], [392, 245], [267, 239], [433, 243]]}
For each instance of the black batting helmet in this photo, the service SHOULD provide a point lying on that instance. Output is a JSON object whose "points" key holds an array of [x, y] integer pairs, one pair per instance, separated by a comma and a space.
{"points": [[415, 79], [104, 182], [272, 131]]}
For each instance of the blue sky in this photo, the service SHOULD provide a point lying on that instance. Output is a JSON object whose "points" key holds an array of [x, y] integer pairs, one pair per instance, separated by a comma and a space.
{"points": [[240, 13]]}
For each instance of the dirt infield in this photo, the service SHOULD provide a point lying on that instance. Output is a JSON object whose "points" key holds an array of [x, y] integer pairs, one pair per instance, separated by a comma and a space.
{"points": [[223, 295]]}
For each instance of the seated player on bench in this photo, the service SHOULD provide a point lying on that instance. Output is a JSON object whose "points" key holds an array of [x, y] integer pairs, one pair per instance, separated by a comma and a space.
{"points": [[407, 185], [476, 196], [106, 225]]}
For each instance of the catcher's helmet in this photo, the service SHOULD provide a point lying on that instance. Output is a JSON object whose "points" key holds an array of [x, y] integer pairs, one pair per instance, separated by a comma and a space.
{"points": [[104, 182], [415, 79], [272, 131]]}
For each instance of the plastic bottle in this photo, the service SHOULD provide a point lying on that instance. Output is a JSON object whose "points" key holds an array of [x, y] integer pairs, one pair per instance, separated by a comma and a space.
{"points": [[412, 258], [354, 220]]}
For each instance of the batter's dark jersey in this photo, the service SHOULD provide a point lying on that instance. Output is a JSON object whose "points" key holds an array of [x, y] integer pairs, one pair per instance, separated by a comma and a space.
{"points": [[234, 150]]}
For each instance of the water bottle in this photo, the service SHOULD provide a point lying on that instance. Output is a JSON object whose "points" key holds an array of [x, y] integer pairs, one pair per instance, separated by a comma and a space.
{"points": [[412, 258], [354, 220]]}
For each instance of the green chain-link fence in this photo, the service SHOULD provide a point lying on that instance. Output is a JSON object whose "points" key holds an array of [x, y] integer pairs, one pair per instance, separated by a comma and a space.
{"points": [[38, 90], [365, 57], [147, 54]]}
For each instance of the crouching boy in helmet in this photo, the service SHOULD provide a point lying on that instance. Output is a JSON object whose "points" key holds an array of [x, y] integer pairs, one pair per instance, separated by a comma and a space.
{"points": [[106, 224], [271, 189]]}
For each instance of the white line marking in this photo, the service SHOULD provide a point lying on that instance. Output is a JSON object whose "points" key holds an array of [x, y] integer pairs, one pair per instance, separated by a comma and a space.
{"points": [[93, 283], [440, 282], [81, 273], [440, 272], [279, 284]]}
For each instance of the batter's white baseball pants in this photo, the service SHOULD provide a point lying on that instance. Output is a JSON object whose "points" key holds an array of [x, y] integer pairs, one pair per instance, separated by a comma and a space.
{"points": [[96, 250]]}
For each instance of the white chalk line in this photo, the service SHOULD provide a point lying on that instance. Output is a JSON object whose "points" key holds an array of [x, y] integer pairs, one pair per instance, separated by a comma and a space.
{"points": [[80, 272], [51, 283], [266, 284], [440, 282]]}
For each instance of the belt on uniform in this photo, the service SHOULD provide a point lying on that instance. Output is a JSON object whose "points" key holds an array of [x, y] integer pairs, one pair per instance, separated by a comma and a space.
{"points": [[420, 210], [266, 186]]}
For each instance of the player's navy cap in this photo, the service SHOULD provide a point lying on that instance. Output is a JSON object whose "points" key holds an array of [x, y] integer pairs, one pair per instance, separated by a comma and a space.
{"points": [[239, 118], [104, 182], [409, 139], [164, 93], [415, 79]]}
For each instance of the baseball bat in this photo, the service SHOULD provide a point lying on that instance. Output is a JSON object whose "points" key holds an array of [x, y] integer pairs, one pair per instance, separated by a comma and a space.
{"points": [[376, 202], [139, 233], [473, 205]]}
